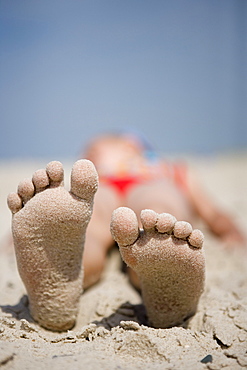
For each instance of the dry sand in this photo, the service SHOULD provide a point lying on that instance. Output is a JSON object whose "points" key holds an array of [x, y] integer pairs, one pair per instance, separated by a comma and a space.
{"points": [[110, 332]]}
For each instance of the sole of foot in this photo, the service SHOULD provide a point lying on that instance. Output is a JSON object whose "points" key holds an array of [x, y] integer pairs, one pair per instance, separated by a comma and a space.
{"points": [[168, 257], [48, 226]]}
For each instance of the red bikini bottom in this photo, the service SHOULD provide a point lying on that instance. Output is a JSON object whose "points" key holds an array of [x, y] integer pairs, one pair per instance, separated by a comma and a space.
{"points": [[121, 185]]}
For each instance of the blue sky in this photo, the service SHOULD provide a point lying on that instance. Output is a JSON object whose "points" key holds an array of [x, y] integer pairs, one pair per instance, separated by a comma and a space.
{"points": [[174, 70]]}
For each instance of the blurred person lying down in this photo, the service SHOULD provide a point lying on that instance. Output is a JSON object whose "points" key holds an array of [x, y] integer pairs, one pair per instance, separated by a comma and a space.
{"points": [[122, 191], [132, 175]]}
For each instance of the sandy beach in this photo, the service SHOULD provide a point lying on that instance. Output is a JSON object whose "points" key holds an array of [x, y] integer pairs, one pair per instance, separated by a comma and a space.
{"points": [[111, 330]]}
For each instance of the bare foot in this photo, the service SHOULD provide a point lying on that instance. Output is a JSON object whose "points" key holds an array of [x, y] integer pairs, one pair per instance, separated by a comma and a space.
{"points": [[168, 259], [48, 226]]}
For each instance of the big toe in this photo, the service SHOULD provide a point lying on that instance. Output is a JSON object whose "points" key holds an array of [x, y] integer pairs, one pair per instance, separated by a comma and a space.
{"points": [[84, 179], [124, 226]]}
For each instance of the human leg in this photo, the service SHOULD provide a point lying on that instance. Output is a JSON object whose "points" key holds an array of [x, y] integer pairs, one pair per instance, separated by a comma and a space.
{"points": [[161, 196], [98, 236]]}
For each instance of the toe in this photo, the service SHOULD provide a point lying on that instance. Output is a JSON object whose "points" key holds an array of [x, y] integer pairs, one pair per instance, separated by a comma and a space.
{"points": [[196, 238], [182, 229], [84, 179], [148, 218], [124, 226], [165, 222], [40, 180], [26, 190], [55, 172], [14, 202]]}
